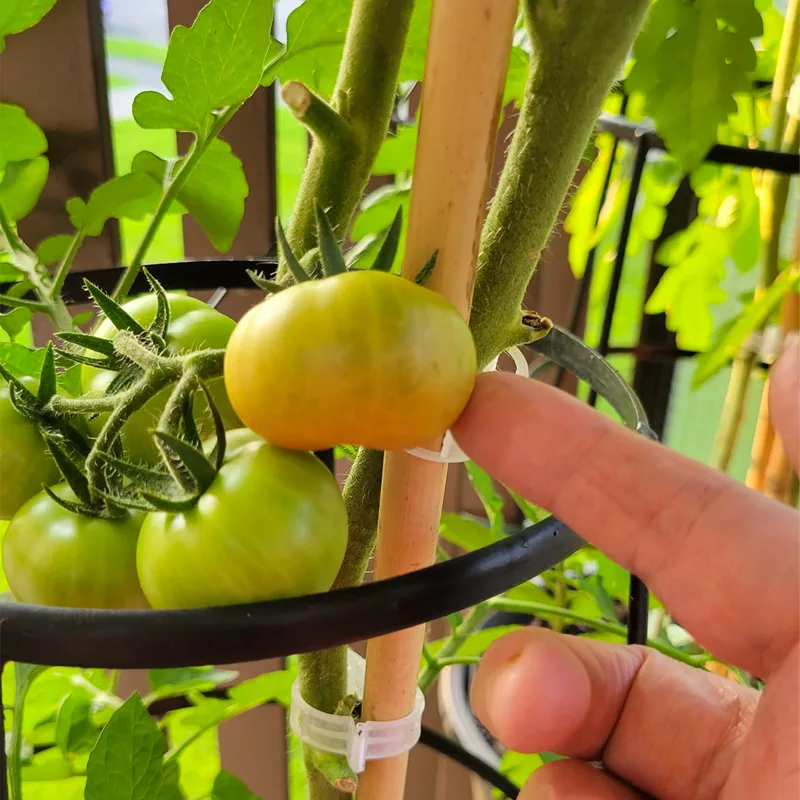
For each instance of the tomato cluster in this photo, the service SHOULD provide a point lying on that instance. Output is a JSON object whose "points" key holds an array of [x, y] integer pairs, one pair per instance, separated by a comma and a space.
{"points": [[361, 357]]}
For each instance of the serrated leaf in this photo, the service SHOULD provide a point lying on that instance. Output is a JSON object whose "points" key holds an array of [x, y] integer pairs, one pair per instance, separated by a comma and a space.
{"points": [[75, 732], [751, 318], [216, 63], [52, 249], [127, 763], [130, 196], [214, 194], [229, 787], [181, 681], [22, 138], [22, 185], [690, 59], [315, 34], [21, 361], [15, 321], [466, 533]]}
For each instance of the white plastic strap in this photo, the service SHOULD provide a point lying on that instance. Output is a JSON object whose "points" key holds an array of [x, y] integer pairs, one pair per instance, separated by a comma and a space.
{"points": [[359, 741], [450, 452]]}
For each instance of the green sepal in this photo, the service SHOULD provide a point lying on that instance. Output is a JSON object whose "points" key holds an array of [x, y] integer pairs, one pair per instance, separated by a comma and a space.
{"points": [[123, 379], [263, 283], [62, 433], [160, 324], [292, 263], [386, 255], [47, 376], [189, 430], [72, 472], [127, 498], [88, 342], [138, 475], [217, 456], [330, 252], [79, 358], [193, 460], [76, 508], [424, 275], [112, 310], [171, 505]]}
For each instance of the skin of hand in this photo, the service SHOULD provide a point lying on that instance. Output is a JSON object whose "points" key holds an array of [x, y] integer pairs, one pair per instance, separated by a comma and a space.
{"points": [[722, 558]]}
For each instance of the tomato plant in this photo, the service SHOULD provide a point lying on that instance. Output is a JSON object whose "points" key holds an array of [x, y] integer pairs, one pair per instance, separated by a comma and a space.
{"points": [[193, 326], [272, 524], [25, 461], [364, 357], [52, 556]]}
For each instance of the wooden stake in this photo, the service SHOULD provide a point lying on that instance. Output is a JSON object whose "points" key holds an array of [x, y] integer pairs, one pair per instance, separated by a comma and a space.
{"points": [[461, 101]]}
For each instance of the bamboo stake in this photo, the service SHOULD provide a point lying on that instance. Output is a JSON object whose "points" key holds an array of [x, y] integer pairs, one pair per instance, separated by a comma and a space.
{"points": [[461, 103]]}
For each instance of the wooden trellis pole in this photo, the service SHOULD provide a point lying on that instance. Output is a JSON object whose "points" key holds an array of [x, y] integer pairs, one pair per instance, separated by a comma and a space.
{"points": [[461, 102]]}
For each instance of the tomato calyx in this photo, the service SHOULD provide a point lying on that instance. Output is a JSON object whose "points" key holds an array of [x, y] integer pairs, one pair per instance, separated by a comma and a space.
{"points": [[328, 259]]}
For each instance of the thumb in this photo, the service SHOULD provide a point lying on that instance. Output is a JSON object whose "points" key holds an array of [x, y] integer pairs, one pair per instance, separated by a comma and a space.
{"points": [[784, 400]]}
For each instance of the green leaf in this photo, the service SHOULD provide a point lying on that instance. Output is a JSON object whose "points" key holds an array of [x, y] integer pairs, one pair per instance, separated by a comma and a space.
{"points": [[315, 33], [20, 360], [75, 732], [22, 138], [492, 502], [229, 787], [753, 317], [177, 682], [9, 273], [690, 59], [199, 761], [214, 194], [379, 208], [127, 763], [130, 196], [518, 767], [21, 186], [14, 322], [19, 15], [216, 63], [52, 249], [466, 533], [397, 152]]}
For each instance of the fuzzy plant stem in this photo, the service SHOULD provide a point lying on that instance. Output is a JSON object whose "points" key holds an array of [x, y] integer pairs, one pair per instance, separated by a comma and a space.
{"points": [[568, 82], [348, 132]]}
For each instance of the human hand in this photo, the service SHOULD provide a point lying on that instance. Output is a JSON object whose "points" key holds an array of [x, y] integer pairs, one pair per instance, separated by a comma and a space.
{"points": [[724, 560]]}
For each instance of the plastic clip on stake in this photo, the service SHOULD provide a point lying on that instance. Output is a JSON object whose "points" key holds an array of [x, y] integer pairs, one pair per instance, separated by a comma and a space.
{"points": [[359, 741], [451, 453]]}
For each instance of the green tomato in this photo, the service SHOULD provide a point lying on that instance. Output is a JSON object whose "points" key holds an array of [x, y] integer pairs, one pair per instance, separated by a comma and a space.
{"points": [[25, 460], [271, 525], [54, 557], [193, 326]]}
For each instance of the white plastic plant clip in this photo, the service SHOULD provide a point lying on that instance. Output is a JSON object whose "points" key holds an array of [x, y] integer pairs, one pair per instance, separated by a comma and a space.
{"points": [[450, 452], [358, 741]]}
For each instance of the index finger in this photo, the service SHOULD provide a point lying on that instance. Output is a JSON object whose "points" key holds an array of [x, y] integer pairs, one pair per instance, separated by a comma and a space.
{"points": [[723, 558]]}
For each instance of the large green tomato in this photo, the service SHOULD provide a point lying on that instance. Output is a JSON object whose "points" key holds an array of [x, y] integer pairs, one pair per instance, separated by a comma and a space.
{"points": [[25, 461], [365, 358], [193, 326], [271, 525], [54, 557]]}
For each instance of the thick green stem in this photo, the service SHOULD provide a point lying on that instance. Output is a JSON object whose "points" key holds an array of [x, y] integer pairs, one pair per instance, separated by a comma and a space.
{"points": [[451, 645], [547, 611], [340, 163], [569, 79]]}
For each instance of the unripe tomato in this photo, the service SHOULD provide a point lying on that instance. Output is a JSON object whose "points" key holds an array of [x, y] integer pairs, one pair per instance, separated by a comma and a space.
{"points": [[365, 358], [25, 461], [193, 326], [271, 525], [54, 557]]}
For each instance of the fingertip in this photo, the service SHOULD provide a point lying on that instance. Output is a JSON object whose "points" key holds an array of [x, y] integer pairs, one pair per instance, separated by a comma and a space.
{"points": [[531, 691], [573, 780]]}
